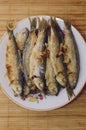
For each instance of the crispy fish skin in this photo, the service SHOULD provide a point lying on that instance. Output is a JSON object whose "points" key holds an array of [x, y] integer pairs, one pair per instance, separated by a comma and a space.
{"points": [[56, 59], [27, 53], [50, 78], [71, 56], [51, 82], [37, 61], [61, 75], [12, 64], [21, 38], [29, 45]]}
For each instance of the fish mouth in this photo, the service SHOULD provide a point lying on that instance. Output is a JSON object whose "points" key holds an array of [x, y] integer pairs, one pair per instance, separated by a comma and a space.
{"points": [[17, 90], [61, 78], [52, 89], [39, 83]]}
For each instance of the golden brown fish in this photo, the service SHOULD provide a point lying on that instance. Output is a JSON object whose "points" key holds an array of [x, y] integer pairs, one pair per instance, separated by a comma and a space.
{"points": [[37, 60], [29, 45], [12, 64], [51, 82], [71, 56], [55, 56]]}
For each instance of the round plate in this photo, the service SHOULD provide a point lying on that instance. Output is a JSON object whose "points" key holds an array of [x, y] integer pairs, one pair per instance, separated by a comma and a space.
{"points": [[50, 102]]}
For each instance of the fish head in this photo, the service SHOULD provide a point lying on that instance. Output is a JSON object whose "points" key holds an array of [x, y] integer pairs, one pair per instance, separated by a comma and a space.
{"points": [[16, 88], [39, 83], [61, 79], [52, 89]]}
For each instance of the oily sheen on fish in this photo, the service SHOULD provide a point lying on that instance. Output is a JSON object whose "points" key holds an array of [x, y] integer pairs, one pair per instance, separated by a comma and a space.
{"points": [[29, 45], [71, 56], [37, 60], [51, 82]]}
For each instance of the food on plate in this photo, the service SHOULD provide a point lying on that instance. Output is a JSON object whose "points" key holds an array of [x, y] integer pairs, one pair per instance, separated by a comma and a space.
{"points": [[71, 56], [37, 58], [12, 63], [51, 83], [42, 59], [21, 38], [55, 57], [29, 45]]}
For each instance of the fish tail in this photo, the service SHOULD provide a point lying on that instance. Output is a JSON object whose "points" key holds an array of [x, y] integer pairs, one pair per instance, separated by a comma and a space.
{"points": [[55, 25], [70, 92], [43, 25], [53, 22], [49, 32], [67, 24], [57, 29], [33, 23]]}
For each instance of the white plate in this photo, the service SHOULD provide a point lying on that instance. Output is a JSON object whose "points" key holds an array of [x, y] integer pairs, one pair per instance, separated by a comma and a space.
{"points": [[51, 102]]}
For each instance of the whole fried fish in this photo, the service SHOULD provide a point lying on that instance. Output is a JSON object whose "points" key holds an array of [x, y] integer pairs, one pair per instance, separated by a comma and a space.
{"points": [[29, 45], [51, 82], [37, 59], [12, 64], [55, 57], [71, 56], [21, 38]]}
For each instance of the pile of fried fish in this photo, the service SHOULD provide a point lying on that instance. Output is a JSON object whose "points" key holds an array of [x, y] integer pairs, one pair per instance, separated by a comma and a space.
{"points": [[42, 58]]}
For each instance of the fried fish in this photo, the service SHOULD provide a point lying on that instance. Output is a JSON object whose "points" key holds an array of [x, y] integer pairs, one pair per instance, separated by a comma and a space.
{"points": [[37, 59], [71, 56]]}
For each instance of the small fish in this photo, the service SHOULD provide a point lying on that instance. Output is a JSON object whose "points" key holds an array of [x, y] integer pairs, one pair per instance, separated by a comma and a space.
{"points": [[37, 59], [12, 64], [21, 38], [29, 45], [51, 82], [56, 59], [71, 56]]}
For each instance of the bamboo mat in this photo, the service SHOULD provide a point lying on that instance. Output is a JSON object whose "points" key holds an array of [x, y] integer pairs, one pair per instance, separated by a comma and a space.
{"points": [[70, 117]]}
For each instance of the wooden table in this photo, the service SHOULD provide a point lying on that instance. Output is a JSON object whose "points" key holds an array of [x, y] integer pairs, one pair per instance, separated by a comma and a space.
{"points": [[70, 117]]}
